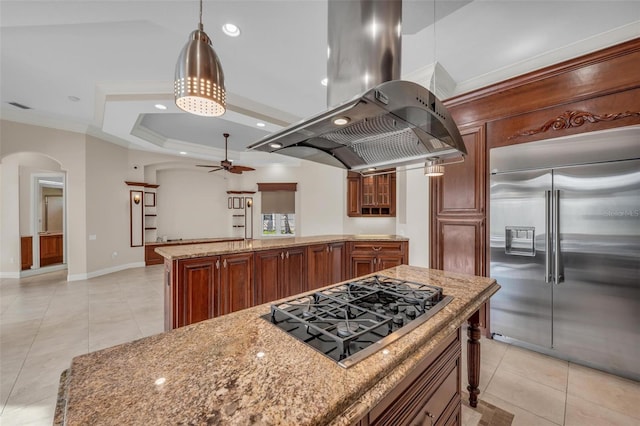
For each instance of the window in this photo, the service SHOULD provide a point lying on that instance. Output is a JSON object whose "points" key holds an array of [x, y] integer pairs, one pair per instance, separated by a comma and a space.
{"points": [[278, 209], [279, 224]]}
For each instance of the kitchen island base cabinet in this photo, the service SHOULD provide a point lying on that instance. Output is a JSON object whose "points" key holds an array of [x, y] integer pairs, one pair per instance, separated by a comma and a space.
{"points": [[279, 273], [326, 264], [201, 288], [429, 395]]}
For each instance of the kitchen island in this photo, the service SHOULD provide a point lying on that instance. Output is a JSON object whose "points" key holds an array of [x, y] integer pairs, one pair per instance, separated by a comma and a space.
{"points": [[241, 369]]}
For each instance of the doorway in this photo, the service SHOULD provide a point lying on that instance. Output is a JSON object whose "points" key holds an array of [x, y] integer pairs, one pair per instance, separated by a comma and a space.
{"points": [[48, 218]]}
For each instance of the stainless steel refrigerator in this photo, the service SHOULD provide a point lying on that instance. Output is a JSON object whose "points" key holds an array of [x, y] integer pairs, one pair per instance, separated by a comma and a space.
{"points": [[565, 247]]}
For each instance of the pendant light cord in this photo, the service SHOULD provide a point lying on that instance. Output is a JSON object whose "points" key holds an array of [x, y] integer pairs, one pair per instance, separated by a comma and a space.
{"points": [[200, 24]]}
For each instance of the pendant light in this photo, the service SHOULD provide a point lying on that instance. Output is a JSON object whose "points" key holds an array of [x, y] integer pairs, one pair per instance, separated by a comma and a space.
{"points": [[199, 80]]}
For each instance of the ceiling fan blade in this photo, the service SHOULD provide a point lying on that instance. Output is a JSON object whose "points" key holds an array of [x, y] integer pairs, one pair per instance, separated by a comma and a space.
{"points": [[234, 170], [215, 170], [243, 168], [205, 165]]}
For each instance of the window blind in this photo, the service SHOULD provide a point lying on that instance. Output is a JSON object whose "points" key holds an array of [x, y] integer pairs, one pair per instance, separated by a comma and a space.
{"points": [[278, 197]]}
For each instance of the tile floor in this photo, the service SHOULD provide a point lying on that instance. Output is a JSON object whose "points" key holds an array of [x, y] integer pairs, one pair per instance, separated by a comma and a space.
{"points": [[45, 321]]}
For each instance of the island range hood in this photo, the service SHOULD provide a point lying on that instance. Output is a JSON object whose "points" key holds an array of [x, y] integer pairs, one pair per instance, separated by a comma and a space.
{"points": [[389, 122]]}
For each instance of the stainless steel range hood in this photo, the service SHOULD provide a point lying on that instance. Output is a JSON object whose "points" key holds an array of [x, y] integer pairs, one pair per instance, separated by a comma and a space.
{"points": [[389, 122]]}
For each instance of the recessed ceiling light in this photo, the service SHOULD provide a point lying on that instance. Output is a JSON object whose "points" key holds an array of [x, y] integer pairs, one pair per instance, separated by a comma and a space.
{"points": [[341, 121], [260, 124], [73, 98], [324, 81], [160, 106], [231, 30], [183, 153], [275, 145]]}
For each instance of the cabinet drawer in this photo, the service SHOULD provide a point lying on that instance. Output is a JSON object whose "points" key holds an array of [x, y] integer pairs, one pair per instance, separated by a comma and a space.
{"points": [[376, 247], [431, 412], [430, 388]]}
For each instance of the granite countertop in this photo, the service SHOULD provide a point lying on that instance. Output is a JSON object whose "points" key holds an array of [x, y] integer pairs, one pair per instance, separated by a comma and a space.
{"points": [[212, 249], [239, 369], [190, 241]]}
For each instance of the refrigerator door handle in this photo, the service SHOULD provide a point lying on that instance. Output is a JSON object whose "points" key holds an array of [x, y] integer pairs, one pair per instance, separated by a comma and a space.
{"points": [[557, 276], [547, 239]]}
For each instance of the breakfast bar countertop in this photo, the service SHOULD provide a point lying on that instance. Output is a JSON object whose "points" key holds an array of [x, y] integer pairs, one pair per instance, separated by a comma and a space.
{"points": [[211, 249], [240, 369]]}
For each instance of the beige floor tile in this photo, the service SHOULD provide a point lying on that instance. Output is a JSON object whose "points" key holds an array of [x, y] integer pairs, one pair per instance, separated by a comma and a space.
{"points": [[529, 395], [521, 417], [540, 368], [470, 417], [606, 390], [39, 413], [582, 412]]}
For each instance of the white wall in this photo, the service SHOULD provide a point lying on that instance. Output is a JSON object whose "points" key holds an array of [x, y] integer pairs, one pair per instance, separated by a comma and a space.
{"points": [[413, 214], [66, 148], [192, 204], [108, 209]]}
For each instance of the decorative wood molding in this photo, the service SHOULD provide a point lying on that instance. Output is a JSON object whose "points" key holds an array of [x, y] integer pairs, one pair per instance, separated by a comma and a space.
{"points": [[241, 192], [569, 119], [143, 184], [277, 186]]}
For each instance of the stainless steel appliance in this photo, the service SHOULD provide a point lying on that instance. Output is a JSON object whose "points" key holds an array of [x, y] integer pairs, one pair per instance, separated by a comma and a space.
{"points": [[374, 119], [565, 247], [348, 322]]}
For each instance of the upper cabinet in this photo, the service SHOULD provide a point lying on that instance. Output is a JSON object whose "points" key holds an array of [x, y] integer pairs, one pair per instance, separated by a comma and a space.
{"points": [[373, 195]]}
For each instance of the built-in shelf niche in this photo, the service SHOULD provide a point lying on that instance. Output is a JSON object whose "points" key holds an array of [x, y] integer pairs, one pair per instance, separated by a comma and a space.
{"points": [[143, 213], [240, 203]]}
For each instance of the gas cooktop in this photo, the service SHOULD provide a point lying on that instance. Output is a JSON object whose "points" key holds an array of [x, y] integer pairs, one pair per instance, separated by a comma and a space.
{"points": [[350, 321]]}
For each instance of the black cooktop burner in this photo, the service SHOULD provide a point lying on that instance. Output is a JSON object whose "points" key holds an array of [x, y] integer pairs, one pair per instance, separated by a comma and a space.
{"points": [[344, 321]]}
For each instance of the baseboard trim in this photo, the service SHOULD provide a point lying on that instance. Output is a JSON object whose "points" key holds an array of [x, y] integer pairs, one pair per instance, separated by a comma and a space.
{"points": [[93, 274], [9, 274], [43, 270]]}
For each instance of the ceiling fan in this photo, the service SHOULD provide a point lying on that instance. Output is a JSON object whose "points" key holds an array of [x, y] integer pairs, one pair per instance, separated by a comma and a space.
{"points": [[226, 164]]}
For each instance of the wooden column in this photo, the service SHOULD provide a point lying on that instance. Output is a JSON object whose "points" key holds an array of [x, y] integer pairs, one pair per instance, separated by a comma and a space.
{"points": [[473, 358]]}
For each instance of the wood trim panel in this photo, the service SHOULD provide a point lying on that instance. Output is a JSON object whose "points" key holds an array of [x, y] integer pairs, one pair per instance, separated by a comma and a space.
{"points": [[606, 112], [599, 73], [144, 184], [278, 186], [461, 245], [26, 252], [462, 188]]}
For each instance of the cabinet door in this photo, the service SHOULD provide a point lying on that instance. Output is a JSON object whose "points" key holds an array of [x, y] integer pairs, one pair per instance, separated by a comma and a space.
{"points": [[362, 264], [268, 270], [317, 266], [336, 262], [235, 282], [353, 195], [388, 260], [383, 190], [294, 279], [196, 292], [369, 191]]}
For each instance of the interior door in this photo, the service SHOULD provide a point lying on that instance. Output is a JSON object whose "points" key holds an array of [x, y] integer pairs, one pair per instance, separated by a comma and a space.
{"points": [[597, 297], [522, 309]]}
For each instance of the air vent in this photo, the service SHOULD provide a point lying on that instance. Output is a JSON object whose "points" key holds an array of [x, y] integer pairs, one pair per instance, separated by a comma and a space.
{"points": [[18, 105]]}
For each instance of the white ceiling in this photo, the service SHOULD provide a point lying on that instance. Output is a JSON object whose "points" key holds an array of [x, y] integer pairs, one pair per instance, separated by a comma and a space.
{"points": [[118, 58]]}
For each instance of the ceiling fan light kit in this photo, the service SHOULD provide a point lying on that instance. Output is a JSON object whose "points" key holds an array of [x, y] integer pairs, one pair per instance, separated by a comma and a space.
{"points": [[199, 79], [227, 164]]}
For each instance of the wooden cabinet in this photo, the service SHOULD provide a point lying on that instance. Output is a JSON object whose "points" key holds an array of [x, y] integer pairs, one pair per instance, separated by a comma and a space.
{"points": [[367, 257], [326, 264], [205, 287], [26, 252], [373, 195], [236, 275], [51, 249], [279, 273], [429, 395]]}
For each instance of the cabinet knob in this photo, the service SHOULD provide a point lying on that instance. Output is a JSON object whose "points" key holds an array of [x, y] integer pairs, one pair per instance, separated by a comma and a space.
{"points": [[282, 255], [218, 264], [224, 263], [287, 255]]}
